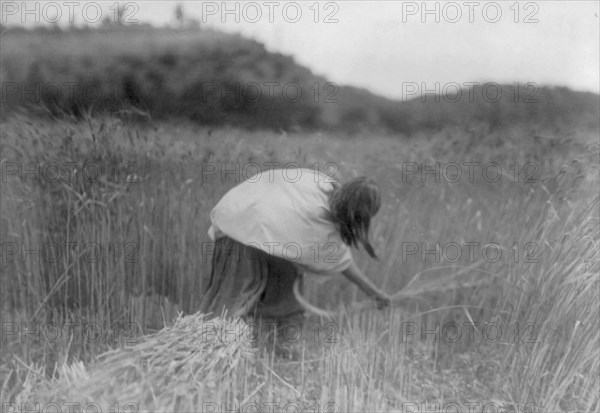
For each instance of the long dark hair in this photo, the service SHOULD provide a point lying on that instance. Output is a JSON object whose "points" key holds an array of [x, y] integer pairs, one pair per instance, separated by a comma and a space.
{"points": [[352, 205]]}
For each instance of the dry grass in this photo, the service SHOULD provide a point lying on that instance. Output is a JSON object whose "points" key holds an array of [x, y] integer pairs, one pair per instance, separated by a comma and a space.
{"points": [[161, 208], [175, 369]]}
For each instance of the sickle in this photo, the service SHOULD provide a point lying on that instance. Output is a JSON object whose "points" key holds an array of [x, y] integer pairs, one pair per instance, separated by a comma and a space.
{"points": [[408, 291], [308, 306]]}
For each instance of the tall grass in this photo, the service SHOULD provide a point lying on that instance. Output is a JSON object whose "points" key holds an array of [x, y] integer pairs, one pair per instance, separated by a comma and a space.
{"points": [[148, 215]]}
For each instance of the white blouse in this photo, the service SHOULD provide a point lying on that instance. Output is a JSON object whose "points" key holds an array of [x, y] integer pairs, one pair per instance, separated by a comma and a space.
{"points": [[285, 213]]}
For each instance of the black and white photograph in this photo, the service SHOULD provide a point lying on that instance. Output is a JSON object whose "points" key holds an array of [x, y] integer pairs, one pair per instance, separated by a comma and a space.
{"points": [[300, 206]]}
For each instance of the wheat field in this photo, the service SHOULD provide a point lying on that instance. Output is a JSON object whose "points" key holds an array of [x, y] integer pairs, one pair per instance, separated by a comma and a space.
{"points": [[496, 270]]}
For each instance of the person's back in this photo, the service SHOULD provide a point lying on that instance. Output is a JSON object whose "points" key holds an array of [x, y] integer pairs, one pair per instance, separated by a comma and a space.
{"points": [[286, 214]]}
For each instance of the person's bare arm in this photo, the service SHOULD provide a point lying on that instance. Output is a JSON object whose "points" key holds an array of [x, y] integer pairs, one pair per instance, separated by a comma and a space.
{"points": [[354, 274]]}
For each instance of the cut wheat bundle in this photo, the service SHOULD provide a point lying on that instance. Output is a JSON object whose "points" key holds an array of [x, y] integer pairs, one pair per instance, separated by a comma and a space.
{"points": [[179, 367]]}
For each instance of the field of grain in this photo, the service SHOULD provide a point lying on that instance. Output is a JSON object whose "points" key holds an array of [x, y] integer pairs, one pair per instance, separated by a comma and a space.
{"points": [[104, 224]]}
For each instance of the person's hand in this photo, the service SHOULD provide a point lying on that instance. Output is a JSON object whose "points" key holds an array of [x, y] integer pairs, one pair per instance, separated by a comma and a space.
{"points": [[382, 300]]}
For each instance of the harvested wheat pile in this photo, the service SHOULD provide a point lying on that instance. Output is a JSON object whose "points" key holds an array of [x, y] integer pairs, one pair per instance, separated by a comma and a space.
{"points": [[179, 368]]}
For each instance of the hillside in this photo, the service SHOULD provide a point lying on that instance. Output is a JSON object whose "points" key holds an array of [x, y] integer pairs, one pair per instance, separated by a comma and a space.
{"points": [[214, 78]]}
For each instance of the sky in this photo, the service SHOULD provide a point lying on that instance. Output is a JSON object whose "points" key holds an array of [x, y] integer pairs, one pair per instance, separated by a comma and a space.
{"points": [[391, 47]]}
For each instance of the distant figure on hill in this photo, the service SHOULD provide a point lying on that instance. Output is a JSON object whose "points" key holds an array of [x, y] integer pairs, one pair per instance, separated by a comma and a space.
{"points": [[274, 225]]}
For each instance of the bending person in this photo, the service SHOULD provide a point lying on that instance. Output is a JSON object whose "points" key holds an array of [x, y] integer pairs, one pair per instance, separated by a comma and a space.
{"points": [[276, 224]]}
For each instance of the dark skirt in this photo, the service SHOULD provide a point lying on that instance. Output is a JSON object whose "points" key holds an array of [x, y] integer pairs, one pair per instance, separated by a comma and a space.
{"points": [[248, 282]]}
